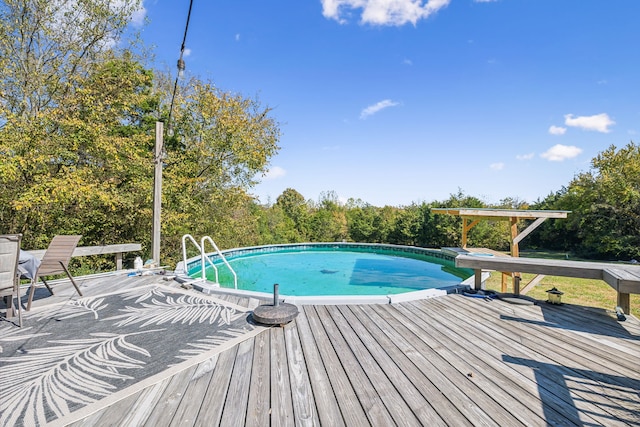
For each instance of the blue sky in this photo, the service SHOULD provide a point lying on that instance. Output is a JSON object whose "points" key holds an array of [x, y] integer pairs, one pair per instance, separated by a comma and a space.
{"points": [[400, 101]]}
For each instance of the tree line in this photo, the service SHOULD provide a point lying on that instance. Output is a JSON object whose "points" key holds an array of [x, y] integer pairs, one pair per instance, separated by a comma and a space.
{"points": [[603, 223], [78, 106]]}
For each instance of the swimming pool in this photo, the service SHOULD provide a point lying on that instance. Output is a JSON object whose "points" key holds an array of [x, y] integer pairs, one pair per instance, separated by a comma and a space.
{"points": [[340, 269]]}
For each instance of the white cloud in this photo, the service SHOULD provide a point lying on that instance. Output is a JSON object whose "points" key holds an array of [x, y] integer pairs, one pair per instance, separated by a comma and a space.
{"points": [[559, 153], [383, 12], [274, 173], [138, 16], [407, 62], [497, 166], [557, 130], [187, 52], [238, 37], [598, 122], [525, 156], [373, 109]]}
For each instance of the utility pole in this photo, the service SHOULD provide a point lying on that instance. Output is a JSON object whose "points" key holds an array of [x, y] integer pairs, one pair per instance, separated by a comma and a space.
{"points": [[157, 194]]}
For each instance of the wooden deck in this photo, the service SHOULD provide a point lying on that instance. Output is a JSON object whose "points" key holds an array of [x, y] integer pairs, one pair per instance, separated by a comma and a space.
{"points": [[450, 360]]}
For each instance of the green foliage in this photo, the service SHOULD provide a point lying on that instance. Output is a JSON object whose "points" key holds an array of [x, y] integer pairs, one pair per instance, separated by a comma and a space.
{"points": [[605, 205], [295, 208], [69, 169], [77, 120]]}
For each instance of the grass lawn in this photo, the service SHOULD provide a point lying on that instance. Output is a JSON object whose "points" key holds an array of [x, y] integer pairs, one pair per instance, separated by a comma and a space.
{"points": [[586, 292]]}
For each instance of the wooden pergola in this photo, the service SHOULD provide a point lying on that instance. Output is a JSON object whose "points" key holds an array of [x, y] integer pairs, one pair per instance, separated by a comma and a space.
{"points": [[472, 217]]}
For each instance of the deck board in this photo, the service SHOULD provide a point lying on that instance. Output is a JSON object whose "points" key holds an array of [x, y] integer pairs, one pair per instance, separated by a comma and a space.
{"points": [[390, 397], [450, 360], [550, 364], [327, 407], [304, 407], [350, 406], [386, 357], [281, 398], [259, 404]]}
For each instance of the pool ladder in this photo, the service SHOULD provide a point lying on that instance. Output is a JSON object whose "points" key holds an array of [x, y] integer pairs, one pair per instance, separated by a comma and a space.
{"points": [[204, 258]]}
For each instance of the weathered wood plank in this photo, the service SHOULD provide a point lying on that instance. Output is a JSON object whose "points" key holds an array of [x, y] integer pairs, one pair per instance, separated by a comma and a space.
{"points": [[467, 396], [501, 385], [144, 405], [96, 250], [214, 399], [235, 407], [348, 401], [491, 346], [388, 394], [259, 405], [597, 337], [170, 399], [558, 340], [553, 365], [404, 375], [324, 397], [550, 267], [190, 405], [371, 402], [304, 408], [281, 401]]}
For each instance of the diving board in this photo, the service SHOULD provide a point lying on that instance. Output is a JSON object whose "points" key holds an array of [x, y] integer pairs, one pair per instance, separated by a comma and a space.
{"points": [[624, 279]]}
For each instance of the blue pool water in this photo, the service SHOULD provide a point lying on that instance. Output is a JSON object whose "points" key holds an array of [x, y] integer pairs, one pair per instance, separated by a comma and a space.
{"points": [[321, 271]]}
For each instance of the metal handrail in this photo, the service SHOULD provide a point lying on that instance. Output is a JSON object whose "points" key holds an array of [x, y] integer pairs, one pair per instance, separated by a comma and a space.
{"points": [[207, 238], [202, 256]]}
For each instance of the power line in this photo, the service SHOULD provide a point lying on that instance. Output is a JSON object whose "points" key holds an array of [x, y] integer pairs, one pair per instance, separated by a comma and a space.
{"points": [[181, 67]]}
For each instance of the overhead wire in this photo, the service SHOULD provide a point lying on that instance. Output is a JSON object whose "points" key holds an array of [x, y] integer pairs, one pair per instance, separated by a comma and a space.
{"points": [[181, 67]]}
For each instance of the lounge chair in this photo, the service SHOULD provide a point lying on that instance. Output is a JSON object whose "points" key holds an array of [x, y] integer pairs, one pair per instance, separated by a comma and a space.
{"points": [[9, 279], [55, 261]]}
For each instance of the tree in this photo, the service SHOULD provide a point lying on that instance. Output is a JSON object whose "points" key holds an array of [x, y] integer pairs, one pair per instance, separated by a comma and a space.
{"points": [[361, 221], [329, 221], [295, 207], [77, 167], [76, 135], [605, 204], [48, 46], [609, 204], [221, 142]]}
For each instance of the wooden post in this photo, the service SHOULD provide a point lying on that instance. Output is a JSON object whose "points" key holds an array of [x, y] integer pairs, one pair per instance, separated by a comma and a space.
{"points": [[515, 252], [465, 229], [477, 283], [157, 194], [624, 302]]}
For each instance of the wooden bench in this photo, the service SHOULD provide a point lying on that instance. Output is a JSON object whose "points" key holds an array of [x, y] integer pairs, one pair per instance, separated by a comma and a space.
{"points": [[118, 250], [625, 279]]}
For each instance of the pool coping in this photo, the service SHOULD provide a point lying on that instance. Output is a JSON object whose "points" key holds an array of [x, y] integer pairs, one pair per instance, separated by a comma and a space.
{"points": [[209, 287]]}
